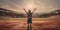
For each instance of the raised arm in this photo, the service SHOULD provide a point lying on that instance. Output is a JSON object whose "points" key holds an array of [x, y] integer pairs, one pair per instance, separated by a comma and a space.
{"points": [[34, 10], [24, 10]]}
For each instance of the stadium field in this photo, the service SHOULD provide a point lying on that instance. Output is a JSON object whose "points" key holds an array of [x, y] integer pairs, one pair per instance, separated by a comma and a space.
{"points": [[33, 19], [38, 24]]}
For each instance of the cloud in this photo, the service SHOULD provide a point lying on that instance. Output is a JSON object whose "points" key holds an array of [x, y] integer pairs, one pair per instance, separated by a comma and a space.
{"points": [[41, 5]]}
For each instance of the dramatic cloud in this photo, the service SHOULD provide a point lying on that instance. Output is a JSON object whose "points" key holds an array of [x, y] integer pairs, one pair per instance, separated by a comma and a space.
{"points": [[41, 5]]}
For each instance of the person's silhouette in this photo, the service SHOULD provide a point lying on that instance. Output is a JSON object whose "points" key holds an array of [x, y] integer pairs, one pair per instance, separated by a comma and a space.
{"points": [[29, 16]]}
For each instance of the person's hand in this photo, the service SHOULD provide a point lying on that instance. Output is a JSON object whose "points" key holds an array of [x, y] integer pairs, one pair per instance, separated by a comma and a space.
{"points": [[24, 8]]}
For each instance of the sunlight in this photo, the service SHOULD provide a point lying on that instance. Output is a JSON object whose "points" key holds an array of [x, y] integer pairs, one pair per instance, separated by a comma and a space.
{"points": [[30, 6]]}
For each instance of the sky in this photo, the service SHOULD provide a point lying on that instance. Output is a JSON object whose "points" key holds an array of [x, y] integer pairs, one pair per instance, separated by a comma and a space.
{"points": [[41, 5]]}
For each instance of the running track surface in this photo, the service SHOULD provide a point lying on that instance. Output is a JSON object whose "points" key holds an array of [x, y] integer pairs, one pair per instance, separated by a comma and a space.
{"points": [[36, 25]]}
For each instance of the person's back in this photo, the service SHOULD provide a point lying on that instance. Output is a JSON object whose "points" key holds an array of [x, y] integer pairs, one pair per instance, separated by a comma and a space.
{"points": [[29, 15]]}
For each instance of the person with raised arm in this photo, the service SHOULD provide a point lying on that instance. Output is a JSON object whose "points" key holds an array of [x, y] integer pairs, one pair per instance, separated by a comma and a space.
{"points": [[29, 15], [29, 18]]}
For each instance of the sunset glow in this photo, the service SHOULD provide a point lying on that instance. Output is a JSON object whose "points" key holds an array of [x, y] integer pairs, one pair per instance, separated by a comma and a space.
{"points": [[41, 5], [30, 6]]}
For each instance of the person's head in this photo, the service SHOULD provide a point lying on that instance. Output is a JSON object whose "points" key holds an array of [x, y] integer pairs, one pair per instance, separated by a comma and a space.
{"points": [[29, 11]]}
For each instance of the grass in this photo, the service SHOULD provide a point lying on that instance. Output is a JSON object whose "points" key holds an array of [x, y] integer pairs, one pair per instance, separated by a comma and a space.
{"points": [[32, 19]]}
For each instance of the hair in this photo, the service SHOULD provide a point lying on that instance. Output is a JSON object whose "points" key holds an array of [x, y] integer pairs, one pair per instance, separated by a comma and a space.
{"points": [[29, 11]]}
